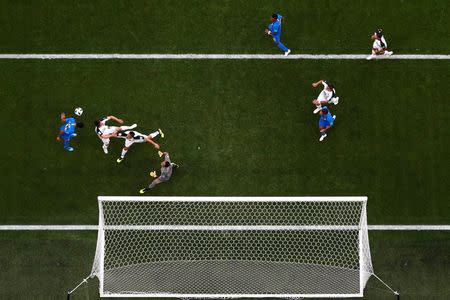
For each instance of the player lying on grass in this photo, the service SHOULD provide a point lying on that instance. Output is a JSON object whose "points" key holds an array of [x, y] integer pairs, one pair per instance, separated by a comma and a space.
{"points": [[166, 172], [379, 46], [105, 132], [326, 121], [327, 95], [132, 137], [67, 130], [274, 30]]}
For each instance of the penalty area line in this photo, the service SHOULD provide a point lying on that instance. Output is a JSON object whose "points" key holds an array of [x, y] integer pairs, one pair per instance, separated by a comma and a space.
{"points": [[221, 56], [95, 227]]}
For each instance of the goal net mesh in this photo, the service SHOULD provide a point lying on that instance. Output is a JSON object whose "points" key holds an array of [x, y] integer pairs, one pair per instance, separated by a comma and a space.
{"points": [[232, 246]]}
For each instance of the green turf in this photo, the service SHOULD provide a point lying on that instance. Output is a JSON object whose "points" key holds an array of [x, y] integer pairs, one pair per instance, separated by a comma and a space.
{"points": [[389, 142], [44, 265], [173, 26], [251, 119]]}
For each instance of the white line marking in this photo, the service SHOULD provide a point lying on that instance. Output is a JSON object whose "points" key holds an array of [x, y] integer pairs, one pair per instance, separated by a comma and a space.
{"points": [[95, 227], [217, 56]]}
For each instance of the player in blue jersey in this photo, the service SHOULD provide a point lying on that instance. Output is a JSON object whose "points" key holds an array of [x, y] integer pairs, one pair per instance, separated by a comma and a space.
{"points": [[67, 130], [274, 30], [325, 122]]}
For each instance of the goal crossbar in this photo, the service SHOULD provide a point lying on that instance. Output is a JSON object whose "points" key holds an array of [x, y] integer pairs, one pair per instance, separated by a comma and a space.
{"points": [[231, 227], [232, 296], [231, 199]]}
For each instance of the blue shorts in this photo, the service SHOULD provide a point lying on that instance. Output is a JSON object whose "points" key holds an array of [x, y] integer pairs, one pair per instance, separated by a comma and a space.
{"points": [[323, 123], [66, 137]]}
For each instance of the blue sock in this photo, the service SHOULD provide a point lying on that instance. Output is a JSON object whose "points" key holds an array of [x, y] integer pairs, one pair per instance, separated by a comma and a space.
{"points": [[66, 144], [282, 47]]}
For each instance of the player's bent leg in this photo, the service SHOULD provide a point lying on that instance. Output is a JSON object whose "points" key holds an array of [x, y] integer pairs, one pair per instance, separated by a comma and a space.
{"points": [[318, 105], [105, 145], [322, 137], [155, 134], [67, 145], [335, 100], [122, 155], [128, 127], [323, 134], [154, 183]]}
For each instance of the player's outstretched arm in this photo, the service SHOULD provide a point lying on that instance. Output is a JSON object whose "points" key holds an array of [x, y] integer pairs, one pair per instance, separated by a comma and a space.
{"points": [[150, 141], [316, 84], [120, 121], [63, 117], [58, 138]]}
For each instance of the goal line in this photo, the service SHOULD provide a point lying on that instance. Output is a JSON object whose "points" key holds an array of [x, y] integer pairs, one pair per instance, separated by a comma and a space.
{"points": [[194, 56], [95, 228]]}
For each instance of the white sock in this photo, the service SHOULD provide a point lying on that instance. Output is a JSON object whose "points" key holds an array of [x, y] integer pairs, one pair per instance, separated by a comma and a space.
{"points": [[127, 127], [105, 145], [123, 153], [154, 134]]}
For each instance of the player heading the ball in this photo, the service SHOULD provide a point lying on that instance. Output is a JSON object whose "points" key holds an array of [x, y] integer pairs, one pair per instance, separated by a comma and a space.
{"points": [[105, 132], [327, 95], [379, 46], [274, 30], [67, 130], [132, 137]]}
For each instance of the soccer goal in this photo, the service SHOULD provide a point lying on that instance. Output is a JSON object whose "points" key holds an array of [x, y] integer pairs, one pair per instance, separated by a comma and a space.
{"points": [[232, 247]]}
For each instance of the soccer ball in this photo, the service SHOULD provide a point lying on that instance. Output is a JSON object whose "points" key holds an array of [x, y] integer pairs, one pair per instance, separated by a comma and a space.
{"points": [[78, 111]]}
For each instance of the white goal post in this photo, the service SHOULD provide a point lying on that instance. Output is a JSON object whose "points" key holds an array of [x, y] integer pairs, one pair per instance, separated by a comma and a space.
{"points": [[232, 247]]}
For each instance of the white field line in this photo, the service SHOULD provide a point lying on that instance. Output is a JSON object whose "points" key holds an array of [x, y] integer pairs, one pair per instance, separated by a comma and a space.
{"points": [[217, 56], [95, 227]]}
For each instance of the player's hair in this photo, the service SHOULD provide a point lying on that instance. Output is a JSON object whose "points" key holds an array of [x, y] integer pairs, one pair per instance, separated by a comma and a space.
{"points": [[379, 32], [166, 164], [80, 125], [275, 16], [131, 133], [330, 85], [97, 123]]}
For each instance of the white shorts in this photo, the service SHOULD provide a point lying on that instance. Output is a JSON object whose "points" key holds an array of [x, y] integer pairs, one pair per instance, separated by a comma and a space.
{"points": [[128, 143], [377, 45]]}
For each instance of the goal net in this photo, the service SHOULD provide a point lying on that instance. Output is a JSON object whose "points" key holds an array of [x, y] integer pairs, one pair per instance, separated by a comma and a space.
{"points": [[205, 247]]}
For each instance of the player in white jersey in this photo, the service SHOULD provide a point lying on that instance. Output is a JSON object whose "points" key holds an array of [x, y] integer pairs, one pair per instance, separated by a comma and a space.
{"points": [[105, 132], [132, 137], [327, 95], [379, 46]]}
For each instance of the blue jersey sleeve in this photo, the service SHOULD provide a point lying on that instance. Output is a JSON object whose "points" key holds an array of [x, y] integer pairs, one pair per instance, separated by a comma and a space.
{"points": [[279, 17]]}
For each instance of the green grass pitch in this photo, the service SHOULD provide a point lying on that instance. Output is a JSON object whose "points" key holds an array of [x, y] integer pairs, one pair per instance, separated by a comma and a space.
{"points": [[252, 120]]}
